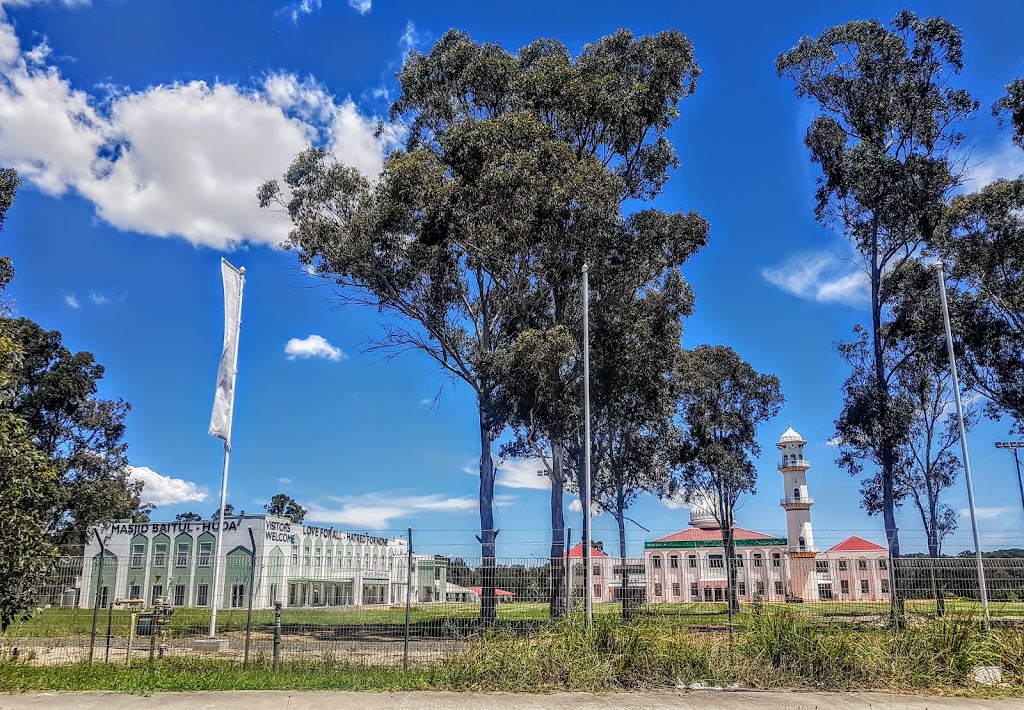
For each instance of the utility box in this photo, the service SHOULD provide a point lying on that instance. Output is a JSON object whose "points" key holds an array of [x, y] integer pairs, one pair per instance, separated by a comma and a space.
{"points": [[144, 626]]}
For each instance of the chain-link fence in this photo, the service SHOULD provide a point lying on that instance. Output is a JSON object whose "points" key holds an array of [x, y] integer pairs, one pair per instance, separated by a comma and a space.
{"points": [[392, 613]]}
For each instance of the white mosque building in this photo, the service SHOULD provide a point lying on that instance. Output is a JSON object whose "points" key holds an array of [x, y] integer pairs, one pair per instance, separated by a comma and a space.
{"points": [[689, 566]]}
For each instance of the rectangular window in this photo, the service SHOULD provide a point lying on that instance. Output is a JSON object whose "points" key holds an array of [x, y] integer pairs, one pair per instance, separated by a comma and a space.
{"points": [[135, 592], [863, 586], [862, 564], [716, 561], [693, 561], [739, 560], [597, 591], [675, 589], [883, 564], [305, 557], [742, 589], [295, 558], [776, 559], [237, 595], [844, 586], [205, 553], [673, 561], [597, 570], [885, 585], [657, 589], [821, 566], [327, 560], [718, 594], [316, 561], [760, 587], [824, 592], [707, 594], [657, 562], [291, 595], [182, 554], [843, 565], [158, 591], [179, 595], [694, 593], [758, 559], [273, 594], [138, 554], [778, 587], [160, 554], [203, 595]]}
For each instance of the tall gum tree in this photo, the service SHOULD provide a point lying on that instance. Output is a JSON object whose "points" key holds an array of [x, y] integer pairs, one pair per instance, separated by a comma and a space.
{"points": [[884, 138]]}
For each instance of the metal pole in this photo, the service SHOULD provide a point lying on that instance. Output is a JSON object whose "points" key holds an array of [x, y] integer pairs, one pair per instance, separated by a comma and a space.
{"points": [[408, 603], [99, 585], [252, 582], [568, 571], [588, 589], [277, 636], [131, 637], [963, 444], [217, 571], [1019, 482]]}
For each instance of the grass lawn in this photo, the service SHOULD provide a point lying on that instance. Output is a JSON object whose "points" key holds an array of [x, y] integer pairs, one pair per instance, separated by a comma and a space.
{"points": [[55, 623]]}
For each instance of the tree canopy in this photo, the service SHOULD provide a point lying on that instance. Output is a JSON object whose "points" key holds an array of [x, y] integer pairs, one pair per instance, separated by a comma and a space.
{"points": [[286, 507]]}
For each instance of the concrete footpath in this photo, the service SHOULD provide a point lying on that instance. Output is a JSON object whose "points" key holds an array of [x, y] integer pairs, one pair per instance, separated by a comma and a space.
{"points": [[426, 700]]}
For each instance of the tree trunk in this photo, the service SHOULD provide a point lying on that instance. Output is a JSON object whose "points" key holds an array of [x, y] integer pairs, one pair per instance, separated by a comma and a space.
{"points": [[730, 565], [933, 553], [488, 607], [558, 559], [624, 592], [886, 454]]}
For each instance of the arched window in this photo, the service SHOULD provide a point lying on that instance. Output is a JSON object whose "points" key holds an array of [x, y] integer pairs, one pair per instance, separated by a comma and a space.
{"points": [[803, 545], [796, 492]]}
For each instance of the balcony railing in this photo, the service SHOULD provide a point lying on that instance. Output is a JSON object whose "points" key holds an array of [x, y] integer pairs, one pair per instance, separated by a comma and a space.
{"points": [[799, 500], [795, 463]]}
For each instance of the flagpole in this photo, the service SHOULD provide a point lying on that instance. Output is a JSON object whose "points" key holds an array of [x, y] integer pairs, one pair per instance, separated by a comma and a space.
{"points": [[588, 592], [218, 572]]}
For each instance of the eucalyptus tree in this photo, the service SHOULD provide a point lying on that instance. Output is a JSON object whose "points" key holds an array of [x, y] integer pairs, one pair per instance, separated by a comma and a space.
{"points": [[982, 244], [884, 138], [721, 401], [1009, 109]]}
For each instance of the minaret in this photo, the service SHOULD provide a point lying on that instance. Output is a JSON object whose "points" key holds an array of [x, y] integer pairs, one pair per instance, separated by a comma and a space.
{"points": [[796, 502]]}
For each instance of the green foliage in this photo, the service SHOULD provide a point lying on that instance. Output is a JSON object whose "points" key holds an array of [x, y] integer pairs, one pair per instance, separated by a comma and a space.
{"points": [[1009, 109], [187, 517], [286, 506]]}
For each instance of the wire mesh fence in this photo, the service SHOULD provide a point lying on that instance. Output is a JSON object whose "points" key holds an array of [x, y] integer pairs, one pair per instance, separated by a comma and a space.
{"points": [[422, 608]]}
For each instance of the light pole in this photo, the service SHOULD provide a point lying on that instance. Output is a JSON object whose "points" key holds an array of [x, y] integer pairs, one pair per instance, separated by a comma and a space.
{"points": [[1014, 445], [963, 442], [588, 587]]}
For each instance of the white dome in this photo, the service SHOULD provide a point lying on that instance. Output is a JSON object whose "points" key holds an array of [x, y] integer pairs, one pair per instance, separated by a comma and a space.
{"points": [[703, 511], [791, 437]]}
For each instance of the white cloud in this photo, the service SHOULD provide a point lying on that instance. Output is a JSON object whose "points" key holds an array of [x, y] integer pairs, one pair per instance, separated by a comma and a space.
{"points": [[102, 299], [313, 346], [987, 513], [835, 441], [1007, 161], [410, 39], [300, 8], [284, 480], [72, 301], [378, 511], [820, 276], [521, 473], [164, 490], [361, 6], [577, 507], [674, 502], [182, 159]]}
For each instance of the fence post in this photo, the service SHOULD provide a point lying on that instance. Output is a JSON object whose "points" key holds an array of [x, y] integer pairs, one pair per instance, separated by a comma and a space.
{"points": [[277, 636], [408, 603], [248, 615], [99, 585], [110, 623], [131, 637]]}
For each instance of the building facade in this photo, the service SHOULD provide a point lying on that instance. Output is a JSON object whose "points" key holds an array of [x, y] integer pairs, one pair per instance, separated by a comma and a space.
{"points": [[298, 565], [690, 565]]}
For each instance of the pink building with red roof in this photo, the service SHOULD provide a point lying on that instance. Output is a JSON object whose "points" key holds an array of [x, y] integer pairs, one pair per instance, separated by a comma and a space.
{"points": [[690, 565]]}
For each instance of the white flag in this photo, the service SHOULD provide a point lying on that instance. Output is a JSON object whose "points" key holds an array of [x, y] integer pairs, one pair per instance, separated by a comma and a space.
{"points": [[224, 399]]}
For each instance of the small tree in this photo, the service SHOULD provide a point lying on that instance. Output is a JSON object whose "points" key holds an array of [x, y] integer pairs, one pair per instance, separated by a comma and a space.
{"points": [[229, 509], [722, 400], [188, 517], [286, 507]]}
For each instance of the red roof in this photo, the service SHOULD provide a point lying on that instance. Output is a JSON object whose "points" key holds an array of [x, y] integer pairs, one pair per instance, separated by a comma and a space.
{"points": [[497, 592], [577, 551], [699, 535], [857, 544]]}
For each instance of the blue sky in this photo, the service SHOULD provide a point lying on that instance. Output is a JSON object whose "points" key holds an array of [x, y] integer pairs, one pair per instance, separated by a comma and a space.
{"points": [[199, 102]]}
